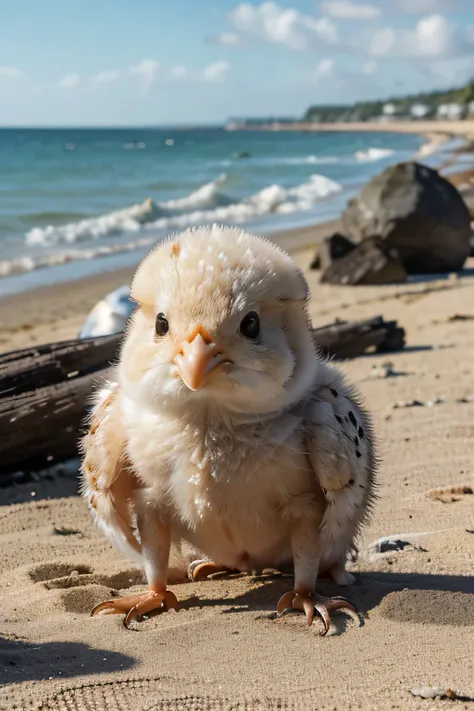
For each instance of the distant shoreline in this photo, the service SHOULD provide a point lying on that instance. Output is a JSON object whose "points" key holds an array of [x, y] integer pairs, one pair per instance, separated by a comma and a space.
{"points": [[463, 129], [435, 132]]}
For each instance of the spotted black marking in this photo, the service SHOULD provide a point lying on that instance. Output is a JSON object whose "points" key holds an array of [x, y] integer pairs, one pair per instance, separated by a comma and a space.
{"points": [[358, 454], [352, 419], [356, 441], [351, 481], [361, 432], [339, 419], [334, 392]]}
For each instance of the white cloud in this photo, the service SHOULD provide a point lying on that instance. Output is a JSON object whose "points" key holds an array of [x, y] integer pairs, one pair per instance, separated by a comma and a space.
{"points": [[432, 37], [216, 72], [68, 81], [370, 67], [382, 41], [344, 9], [425, 7], [418, 7], [106, 76], [178, 72], [325, 69], [11, 72], [289, 27], [146, 71], [228, 39]]}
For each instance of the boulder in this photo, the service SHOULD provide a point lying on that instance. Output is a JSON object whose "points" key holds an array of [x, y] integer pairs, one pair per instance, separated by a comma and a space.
{"points": [[371, 262], [331, 248], [418, 213]]}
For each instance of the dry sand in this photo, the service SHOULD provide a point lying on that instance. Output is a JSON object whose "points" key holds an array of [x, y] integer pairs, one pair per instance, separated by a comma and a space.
{"points": [[224, 650], [464, 129]]}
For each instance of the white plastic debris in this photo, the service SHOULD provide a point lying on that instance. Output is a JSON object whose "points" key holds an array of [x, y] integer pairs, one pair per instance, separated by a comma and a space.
{"points": [[109, 316]]}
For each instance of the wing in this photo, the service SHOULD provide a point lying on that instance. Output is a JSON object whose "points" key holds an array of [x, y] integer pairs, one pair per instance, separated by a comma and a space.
{"points": [[339, 435], [108, 481]]}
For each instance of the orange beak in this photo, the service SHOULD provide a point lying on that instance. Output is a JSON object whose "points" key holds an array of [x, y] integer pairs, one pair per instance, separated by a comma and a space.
{"points": [[196, 360]]}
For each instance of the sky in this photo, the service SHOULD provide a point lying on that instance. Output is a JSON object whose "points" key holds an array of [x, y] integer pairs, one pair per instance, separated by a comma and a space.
{"points": [[163, 62]]}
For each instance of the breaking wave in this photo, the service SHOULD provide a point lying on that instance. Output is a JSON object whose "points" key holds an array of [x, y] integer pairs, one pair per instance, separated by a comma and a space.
{"points": [[372, 154], [21, 265], [206, 204]]}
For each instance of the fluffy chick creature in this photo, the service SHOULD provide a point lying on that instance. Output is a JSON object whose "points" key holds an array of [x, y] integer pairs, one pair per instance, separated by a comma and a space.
{"points": [[223, 433]]}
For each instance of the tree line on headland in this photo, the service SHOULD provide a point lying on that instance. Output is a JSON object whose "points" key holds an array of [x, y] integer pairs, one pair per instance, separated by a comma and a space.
{"points": [[454, 103]]}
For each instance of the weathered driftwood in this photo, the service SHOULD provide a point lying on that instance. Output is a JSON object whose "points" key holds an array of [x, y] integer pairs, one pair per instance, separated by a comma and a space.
{"points": [[45, 391], [349, 339]]}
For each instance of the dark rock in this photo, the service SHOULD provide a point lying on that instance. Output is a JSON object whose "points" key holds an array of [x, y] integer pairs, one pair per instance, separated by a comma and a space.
{"points": [[389, 544], [371, 262], [416, 211], [332, 248]]}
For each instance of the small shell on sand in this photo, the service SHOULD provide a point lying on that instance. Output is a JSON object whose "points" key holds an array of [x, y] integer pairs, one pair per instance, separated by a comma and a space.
{"points": [[433, 692]]}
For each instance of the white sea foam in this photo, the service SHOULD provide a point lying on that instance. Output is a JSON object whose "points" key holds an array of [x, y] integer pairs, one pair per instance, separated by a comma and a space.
{"points": [[21, 265], [313, 160], [206, 204], [128, 220], [370, 155], [137, 146]]}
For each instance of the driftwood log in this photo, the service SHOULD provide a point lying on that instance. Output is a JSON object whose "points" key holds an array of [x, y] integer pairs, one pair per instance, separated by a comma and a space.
{"points": [[44, 394], [45, 391], [349, 339]]}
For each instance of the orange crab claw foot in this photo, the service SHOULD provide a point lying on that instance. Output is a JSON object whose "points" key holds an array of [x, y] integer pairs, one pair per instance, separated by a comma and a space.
{"points": [[203, 569], [308, 604], [135, 606]]}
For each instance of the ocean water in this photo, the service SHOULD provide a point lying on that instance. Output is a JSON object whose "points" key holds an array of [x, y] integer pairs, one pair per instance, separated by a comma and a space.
{"points": [[76, 201]]}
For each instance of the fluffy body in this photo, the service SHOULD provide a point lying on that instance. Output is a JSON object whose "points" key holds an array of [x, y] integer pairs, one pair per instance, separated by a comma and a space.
{"points": [[270, 462]]}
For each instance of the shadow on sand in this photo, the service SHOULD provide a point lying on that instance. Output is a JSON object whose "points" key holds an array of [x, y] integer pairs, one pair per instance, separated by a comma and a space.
{"points": [[22, 661], [403, 597]]}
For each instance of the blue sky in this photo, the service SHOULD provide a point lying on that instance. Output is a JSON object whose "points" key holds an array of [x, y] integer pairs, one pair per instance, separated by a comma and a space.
{"points": [[201, 61]]}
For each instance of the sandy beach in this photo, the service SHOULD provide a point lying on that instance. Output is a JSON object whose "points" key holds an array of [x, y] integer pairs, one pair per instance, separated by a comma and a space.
{"points": [[463, 129], [224, 649]]}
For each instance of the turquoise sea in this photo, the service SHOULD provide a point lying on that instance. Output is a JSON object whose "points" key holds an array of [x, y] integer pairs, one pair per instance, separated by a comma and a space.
{"points": [[79, 201]]}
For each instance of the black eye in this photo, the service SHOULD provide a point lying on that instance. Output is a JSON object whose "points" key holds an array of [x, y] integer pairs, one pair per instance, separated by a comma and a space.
{"points": [[250, 326], [161, 325]]}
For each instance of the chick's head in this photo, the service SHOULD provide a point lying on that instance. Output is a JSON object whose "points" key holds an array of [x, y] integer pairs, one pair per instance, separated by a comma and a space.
{"points": [[222, 317]]}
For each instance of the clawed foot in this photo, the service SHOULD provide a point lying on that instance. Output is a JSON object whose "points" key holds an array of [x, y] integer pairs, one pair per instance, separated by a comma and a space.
{"points": [[308, 604], [134, 606], [202, 569]]}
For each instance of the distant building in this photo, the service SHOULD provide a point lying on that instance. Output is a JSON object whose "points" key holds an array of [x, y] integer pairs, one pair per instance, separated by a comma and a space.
{"points": [[470, 108], [450, 112], [389, 109], [419, 111]]}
